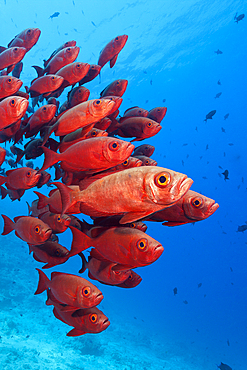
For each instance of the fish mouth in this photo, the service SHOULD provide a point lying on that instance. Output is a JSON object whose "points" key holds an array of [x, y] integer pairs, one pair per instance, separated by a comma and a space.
{"points": [[213, 208], [129, 149], [99, 297], [158, 250], [185, 184], [105, 323], [23, 105]]}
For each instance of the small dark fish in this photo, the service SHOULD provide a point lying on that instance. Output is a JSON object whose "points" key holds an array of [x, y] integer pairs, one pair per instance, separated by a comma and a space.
{"points": [[164, 100], [199, 285], [151, 82], [231, 144], [207, 147], [218, 95], [210, 115], [220, 167], [185, 302], [182, 163], [224, 366], [222, 129], [242, 228], [204, 177], [228, 343], [219, 83], [219, 52], [185, 144], [231, 269], [145, 72], [226, 116], [175, 291], [56, 14], [226, 173], [93, 24], [239, 17]]}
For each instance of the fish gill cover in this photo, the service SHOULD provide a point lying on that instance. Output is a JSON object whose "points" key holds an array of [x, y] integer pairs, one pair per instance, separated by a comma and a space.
{"points": [[110, 91]]}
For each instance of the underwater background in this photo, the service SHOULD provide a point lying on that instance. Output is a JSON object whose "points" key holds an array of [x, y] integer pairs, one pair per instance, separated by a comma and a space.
{"points": [[169, 60]]}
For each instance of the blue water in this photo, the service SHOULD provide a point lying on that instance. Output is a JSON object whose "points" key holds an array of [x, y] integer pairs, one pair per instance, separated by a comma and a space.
{"points": [[170, 54]]}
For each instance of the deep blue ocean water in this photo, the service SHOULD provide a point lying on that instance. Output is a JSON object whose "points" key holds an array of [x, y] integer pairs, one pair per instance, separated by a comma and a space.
{"points": [[170, 54]]}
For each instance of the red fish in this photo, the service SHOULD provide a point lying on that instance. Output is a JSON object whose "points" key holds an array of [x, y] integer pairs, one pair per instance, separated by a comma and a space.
{"points": [[9, 86], [111, 51], [44, 85], [134, 193], [57, 223], [87, 320], [135, 112], [71, 290], [133, 280], [146, 161], [40, 117], [59, 60], [26, 39], [83, 114], [116, 88], [10, 57], [144, 149], [12, 109], [65, 45], [20, 178], [157, 114], [102, 271], [139, 127], [77, 95], [91, 155], [30, 229], [192, 207], [73, 73], [103, 124], [93, 72]]}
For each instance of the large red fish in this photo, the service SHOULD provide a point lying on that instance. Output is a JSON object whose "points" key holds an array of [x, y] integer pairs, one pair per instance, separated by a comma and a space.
{"points": [[93, 72], [65, 45], [72, 290], [77, 95], [59, 60], [90, 155], [157, 114], [111, 51], [73, 73], [192, 207], [10, 57], [12, 109], [144, 149], [57, 223], [9, 86], [134, 193], [26, 39], [85, 320], [133, 280], [40, 117], [30, 229]]}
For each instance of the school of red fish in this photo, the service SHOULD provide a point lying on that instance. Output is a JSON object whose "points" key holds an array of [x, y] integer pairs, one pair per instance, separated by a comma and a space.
{"points": [[109, 179]]}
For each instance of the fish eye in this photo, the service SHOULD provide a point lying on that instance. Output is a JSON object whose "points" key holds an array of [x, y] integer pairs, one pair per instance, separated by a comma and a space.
{"points": [[59, 218], [53, 78], [12, 102], [79, 91], [66, 43], [158, 110], [147, 162], [162, 179], [142, 244], [125, 163], [28, 174], [149, 124], [57, 252], [28, 32], [93, 317], [118, 82], [37, 229], [130, 277], [132, 225], [44, 109], [93, 133], [9, 80], [117, 38], [78, 66], [97, 102], [68, 49], [86, 291], [196, 202], [15, 49], [114, 146], [92, 67]]}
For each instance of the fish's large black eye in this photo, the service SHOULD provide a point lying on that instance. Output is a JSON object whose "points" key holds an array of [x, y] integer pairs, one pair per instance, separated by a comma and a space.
{"points": [[117, 38], [15, 49], [12, 102], [93, 317], [142, 244], [37, 229], [149, 124], [114, 146], [9, 80], [86, 291], [162, 179], [29, 32], [57, 252], [196, 202]]}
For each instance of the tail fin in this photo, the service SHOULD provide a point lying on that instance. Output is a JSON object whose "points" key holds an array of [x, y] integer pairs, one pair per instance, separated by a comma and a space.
{"points": [[9, 225], [51, 158], [39, 70], [3, 179], [43, 200], [20, 153], [80, 242], [66, 198], [43, 282], [29, 209], [3, 192], [84, 263]]}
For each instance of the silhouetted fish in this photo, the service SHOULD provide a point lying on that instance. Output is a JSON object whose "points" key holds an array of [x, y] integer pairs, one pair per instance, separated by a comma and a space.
{"points": [[242, 228], [226, 173], [218, 95], [224, 366], [175, 291], [219, 83], [239, 17], [226, 116], [210, 115], [219, 51], [56, 14]]}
